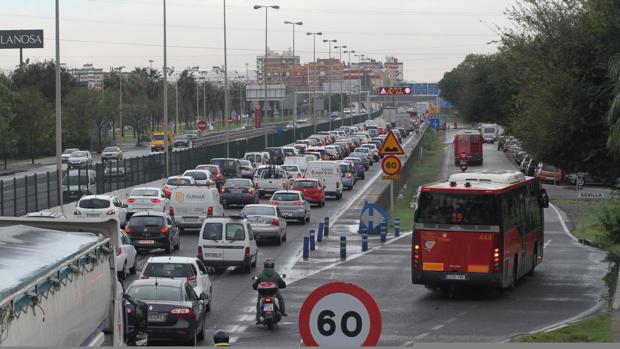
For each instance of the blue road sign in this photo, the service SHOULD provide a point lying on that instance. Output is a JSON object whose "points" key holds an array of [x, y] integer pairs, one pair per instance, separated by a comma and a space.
{"points": [[279, 128], [433, 89], [420, 89], [435, 123], [371, 218]]}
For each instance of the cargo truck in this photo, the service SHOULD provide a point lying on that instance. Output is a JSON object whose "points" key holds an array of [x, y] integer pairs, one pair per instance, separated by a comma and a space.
{"points": [[59, 285]]}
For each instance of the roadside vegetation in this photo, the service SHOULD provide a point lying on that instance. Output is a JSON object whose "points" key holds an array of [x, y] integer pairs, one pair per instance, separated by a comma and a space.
{"points": [[423, 171], [596, 329]]}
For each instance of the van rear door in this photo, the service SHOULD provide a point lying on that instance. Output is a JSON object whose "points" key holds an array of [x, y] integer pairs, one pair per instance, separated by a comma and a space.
{"points": [[235, 236], [212, 242]]}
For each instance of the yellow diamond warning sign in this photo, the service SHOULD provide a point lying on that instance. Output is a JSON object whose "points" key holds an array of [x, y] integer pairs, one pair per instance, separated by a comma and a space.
{"points": [[391, 146]]}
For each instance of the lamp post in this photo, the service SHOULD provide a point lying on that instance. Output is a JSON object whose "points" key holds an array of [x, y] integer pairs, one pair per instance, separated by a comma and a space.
{"points": [[266, 7], [58, 115], [342, 78], [314, 34], [120, 98], [329, 83], [165, 70], [176, 99], [226, 92], [349, 92], [293, 24], [360, 58]]}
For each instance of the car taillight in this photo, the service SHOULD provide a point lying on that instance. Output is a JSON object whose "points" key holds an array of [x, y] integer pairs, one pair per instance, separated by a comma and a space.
{"points": [[164, 230], [275, 222], [250, 190], [167, 191], [268, 300], [181, 312], [337, 185], [247, 252], [256, 185], [155, 201], [111, 212], [210, 211], [218, 176], [415, 260], [199, 252], [118, 251], [223, 190], [497, 265], [77, 213], [131, 201], [349, 175], [273, 203], [299, 203], [171, 211], [192, 280]]}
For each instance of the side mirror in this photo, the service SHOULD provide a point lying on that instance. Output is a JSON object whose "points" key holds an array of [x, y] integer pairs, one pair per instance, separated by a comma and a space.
{"points": [[210, 270], [544, 198], [125, 206], [203, 296], [283, 276]]}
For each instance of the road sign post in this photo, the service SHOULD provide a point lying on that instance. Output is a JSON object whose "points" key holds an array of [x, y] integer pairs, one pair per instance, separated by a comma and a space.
{"points": [[371, 218], [340, 314], [201, 125]]}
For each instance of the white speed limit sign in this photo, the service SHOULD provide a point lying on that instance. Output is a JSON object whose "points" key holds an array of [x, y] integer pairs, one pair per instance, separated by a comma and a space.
{"points": [[340, 314]]}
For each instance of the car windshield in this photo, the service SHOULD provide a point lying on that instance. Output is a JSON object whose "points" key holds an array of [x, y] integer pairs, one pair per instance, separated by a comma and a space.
{"points": [[245, 163], [253, 157], [259, 211], [489, 130], [224, 163], [199, 176], [464, 209], [179, 181], [214, 169], [181, 138], [212, 231], [144, 221], [289, 168], [158, 137], [549, 167], [235, 232], [110, 149], [354, 160], [286, 197], [155, 293], [344, 169], [145, 192], [79, 154], [94, 203], [239, 183], [74, 179], [168, 270], [305, 184], [69, 151]]}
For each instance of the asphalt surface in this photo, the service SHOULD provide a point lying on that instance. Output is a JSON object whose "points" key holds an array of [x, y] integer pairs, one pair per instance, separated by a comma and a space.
{"points": [[567, 285]]}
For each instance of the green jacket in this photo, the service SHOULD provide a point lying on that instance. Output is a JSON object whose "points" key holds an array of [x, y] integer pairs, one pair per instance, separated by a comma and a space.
{"points": [[269, 275]]}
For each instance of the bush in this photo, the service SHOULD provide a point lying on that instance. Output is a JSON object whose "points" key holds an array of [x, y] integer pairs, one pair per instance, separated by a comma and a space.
{"points": [[609, 219]]}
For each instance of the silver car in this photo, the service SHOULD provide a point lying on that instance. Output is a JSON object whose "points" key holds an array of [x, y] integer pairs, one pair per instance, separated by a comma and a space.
{"points": [[267, 222], [80, 158], [66, 154], [144, 199], [292, 204], [247, 170], [112, 153]]}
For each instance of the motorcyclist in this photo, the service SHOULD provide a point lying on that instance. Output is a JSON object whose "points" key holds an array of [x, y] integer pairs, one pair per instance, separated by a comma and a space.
{"points": [[270, 275], [221, 339]]}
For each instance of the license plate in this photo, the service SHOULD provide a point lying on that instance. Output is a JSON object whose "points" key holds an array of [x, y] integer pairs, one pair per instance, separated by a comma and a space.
{"points": [[236, 191], [92, 215], [157, 318], [147, 242], [213, 255], [191, 219], [455, 277], [286, 214], [268, 307]]}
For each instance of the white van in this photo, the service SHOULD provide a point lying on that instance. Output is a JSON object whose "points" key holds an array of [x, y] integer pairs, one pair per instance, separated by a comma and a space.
{"points": [[300, 161], [489, 132], [191, 205], [227, 241], [327, 172]]}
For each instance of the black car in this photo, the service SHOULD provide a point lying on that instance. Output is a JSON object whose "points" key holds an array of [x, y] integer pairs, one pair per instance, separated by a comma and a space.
{"points": [[230, 167], [176, 313], [239, 192], [182, 142], [152, 230], [276, 154]]}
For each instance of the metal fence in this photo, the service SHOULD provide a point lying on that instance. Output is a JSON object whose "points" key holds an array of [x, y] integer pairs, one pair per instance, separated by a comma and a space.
{"points": [[36, 192]]}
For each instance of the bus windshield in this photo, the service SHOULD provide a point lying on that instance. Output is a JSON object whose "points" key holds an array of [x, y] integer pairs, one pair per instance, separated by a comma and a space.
{"points": [[463, 209]]}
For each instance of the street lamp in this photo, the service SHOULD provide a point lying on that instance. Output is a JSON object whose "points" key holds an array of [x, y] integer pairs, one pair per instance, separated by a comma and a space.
{"points": [[342, 79], [314, 34], [266, 7], [293, 24], [176, 98], [349, 80], [329, 83], [226, 92], [120, 98], [58, 115], [166, 140]]}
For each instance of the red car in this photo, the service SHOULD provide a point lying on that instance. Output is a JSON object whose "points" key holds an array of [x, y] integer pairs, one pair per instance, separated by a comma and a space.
{"points": [[313, 190]]}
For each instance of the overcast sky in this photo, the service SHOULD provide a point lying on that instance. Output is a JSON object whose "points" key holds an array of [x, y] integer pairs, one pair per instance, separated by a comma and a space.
{"points": [[429, 36]]}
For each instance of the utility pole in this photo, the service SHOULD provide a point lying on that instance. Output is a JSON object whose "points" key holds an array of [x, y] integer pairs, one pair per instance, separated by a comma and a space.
{"points": [[58, 114], [165, 71], [329, 83], [226, 92], [342, 78], [314, 34]]}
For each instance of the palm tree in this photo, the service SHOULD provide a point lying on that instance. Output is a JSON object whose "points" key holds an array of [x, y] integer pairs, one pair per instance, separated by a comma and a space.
{"points": [[613, 116]]}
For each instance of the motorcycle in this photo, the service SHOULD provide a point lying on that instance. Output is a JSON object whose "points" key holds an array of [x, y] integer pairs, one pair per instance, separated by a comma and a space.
{"points": [[463, 165], [268, 304]]}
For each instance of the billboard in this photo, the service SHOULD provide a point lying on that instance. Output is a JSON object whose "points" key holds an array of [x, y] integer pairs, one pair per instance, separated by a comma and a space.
{"points": [[32, 38], [395, 91]]}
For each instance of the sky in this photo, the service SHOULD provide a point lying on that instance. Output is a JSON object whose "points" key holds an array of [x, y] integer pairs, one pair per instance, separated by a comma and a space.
{"points": [[429, 36]]}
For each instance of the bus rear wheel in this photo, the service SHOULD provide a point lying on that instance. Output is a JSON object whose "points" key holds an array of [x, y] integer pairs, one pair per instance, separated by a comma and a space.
{"points": [[534, 259]]}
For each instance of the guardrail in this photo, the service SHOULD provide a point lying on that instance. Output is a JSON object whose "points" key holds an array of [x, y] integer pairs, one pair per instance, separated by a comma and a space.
{"points": [[31, 193]]}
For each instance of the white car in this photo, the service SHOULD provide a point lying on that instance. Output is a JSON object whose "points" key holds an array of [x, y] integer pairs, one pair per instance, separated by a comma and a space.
{"points": [[66, 154], [202, 177], [147, 199], [101, 207], [177, 181], [125, 257], [190, 268], [80, 158]]}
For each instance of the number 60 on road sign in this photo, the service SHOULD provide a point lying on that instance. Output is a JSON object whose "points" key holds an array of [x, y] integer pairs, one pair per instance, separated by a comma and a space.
{"points": [[340, 314]]}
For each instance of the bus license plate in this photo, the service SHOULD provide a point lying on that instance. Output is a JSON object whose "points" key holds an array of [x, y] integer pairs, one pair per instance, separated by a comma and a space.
{"points": [[455, 277]]}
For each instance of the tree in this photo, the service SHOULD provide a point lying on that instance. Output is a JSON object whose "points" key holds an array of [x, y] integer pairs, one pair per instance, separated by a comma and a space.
{"points": [[613, 116], [41, 76], [8, 140], [33, 124], [136, 116]]}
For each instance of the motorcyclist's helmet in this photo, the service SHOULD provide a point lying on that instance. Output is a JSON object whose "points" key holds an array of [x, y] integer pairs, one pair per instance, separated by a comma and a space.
{"points": [[269, 263], [220, 336]]}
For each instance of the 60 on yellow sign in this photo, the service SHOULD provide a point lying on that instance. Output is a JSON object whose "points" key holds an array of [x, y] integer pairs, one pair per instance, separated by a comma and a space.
{"points": [[391, 165]]}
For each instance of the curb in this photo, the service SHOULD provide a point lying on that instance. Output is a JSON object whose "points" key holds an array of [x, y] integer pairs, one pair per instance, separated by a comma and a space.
{"points": [[616, 301]]}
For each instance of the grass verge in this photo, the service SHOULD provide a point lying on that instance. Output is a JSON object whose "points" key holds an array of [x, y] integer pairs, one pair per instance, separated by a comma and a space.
{"points": [[423, 171], [596, 329]]}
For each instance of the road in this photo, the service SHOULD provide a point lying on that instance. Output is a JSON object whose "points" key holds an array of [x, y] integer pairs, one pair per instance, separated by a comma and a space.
{"points": [[568, 284]]}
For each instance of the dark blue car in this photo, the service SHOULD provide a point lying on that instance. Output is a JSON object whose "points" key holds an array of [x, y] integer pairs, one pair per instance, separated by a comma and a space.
{"points": [[360, 172]]}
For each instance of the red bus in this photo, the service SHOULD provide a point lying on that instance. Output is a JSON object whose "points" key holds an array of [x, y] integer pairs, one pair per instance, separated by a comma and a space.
{"points": [[469, 144], [479, 228]]}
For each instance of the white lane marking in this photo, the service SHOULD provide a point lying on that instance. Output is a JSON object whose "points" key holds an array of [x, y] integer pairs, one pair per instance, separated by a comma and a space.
{"points": [[564, 227], [461, 314], [547, 243], [437, 327], [421, 335], [243, 318], [450, 320]]}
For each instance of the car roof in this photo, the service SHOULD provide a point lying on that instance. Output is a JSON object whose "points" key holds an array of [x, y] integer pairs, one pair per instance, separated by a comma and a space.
{"points": [[226, 219], [150, 213], [287, 192], [146, 188], [257, 205], [100, 196], [171, 259], [159, 281]]}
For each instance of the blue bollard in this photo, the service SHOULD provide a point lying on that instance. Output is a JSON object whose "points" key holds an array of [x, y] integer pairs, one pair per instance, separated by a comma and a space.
{"points": [[396, 226], [312, 243], [383, 232], [306, 249], [326, 227], [364, 242], [343, 247], [319, 236]]}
